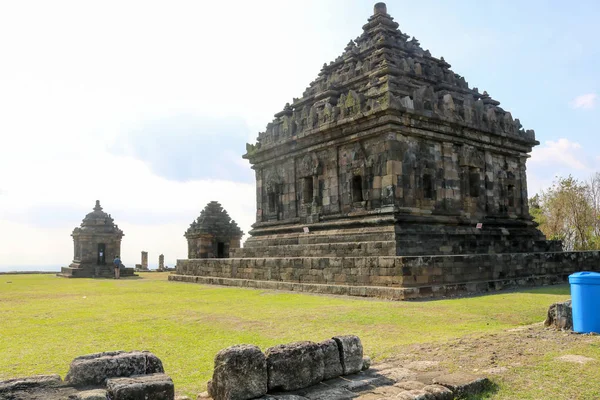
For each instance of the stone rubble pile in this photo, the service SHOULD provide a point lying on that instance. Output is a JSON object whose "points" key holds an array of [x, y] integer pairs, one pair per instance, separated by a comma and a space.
{"points": [[116, 375], [334, 369], [244, 372]]}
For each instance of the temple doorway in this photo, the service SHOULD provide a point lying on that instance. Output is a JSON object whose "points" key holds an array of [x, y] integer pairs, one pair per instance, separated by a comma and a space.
{"points": [[101, 254], [220, 250]]}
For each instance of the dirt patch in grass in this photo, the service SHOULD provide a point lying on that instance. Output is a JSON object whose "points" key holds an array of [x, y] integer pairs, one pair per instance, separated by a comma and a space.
{"points": [[511, 348], [532, 353], [573, 358]]}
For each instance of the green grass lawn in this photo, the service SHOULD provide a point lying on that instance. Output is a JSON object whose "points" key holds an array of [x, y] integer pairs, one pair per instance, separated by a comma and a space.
{"points": [[46, 321]]}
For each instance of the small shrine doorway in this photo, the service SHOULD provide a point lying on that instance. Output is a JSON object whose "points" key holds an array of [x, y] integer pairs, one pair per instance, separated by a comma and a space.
{"points": [[101, 254]]}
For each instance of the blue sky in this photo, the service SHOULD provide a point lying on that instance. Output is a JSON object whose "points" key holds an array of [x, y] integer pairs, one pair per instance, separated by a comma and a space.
{"points": [[147, 105]]}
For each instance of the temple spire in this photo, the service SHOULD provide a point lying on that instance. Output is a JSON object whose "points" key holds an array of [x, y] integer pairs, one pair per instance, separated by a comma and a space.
{"points": [[380, 8], [97, 207]]}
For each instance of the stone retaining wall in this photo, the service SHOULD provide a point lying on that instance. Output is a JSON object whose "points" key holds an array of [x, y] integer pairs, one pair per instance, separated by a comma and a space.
{"points": [[390, 277]]}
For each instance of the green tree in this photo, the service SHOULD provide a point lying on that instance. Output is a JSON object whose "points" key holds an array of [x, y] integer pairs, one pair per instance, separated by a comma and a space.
{"points": [[565, 212]]}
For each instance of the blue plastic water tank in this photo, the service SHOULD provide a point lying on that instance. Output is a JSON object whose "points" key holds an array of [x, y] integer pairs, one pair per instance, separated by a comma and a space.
{"points": [[585, 301]]}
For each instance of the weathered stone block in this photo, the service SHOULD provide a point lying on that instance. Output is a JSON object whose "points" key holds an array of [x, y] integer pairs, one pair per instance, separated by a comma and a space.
{"points": [[94, 394], [351, 353], [366, 363], [29, 382], [462, 384], [144, 387], [415, 395], [294, 366], [331, 359], [560, 315], [439, 392], [240, 373], [94, 369]]}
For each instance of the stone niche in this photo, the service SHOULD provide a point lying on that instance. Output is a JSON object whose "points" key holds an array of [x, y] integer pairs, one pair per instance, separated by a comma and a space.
{"points": [[213, 234], [96, 243]]}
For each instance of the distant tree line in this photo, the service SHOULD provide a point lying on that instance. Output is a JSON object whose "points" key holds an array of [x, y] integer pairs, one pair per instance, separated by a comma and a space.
{"points": [[569, 211]]}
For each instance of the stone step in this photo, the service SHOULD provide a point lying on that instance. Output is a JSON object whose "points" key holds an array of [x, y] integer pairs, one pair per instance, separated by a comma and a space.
{"points": [[104, 272], [321, 237], [335, 249]]}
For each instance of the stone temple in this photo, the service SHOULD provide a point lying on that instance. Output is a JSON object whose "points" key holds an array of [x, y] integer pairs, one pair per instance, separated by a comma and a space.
{"points": [[213, 234], [96, 242], [389, 172], [389, 140]]}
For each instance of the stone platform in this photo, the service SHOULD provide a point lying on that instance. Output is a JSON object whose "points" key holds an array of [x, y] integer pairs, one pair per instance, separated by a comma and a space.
{"points": [[387, 382], [392, 232], [390, 277], [99, 271]]}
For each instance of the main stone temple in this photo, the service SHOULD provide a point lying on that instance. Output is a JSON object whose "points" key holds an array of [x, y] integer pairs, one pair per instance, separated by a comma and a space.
{"points": [[389, 171], [389, 141]]}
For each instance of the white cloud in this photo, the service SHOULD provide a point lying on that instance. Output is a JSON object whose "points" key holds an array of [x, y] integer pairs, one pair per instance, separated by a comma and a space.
{"points": [[585, 101], [560, 153], [558, 158], [152, 211], [78, 78]]}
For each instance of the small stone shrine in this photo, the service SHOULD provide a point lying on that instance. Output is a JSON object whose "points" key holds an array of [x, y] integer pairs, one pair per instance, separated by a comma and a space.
{"points": [[214, 234], [391, 177], [96, 242]]}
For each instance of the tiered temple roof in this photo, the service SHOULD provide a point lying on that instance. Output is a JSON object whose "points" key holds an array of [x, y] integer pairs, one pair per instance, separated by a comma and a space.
{"points": [[98, 221], [385, 69], [215, 220]]}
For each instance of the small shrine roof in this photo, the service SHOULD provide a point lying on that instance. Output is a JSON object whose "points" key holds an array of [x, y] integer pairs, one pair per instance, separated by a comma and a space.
{"points": [[98, 221], [214, 220]]}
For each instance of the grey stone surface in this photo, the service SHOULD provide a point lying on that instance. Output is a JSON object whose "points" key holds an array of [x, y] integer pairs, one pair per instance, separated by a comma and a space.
{"points": [[240, 373], [410, 385], [143, 387], [294, 366], [331, 359], [439, 392], [351, 353], [29, 382], [94, 369], [560, 315], [462, 384], [283, 397], [415, 395], [94, 394], [366, 363]]}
